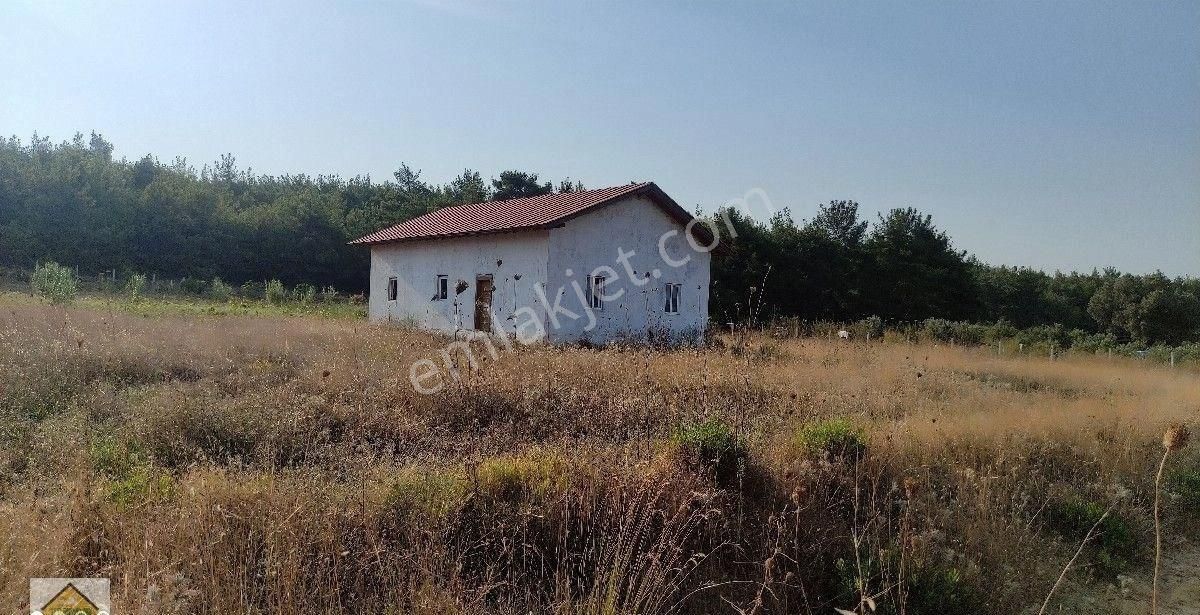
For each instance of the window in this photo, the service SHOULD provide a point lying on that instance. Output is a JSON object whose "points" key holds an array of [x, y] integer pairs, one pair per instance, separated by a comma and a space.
{"points": [[672, 303], [595, 292], [393, 289], [441, 291]]}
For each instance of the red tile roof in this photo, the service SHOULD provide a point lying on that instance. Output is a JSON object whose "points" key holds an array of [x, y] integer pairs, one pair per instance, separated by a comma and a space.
{"points": [[528, 213]]}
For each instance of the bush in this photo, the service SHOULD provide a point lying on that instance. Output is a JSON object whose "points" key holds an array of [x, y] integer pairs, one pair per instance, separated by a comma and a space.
{"points": [[54, 283], [838, 437], [869, 328], [430, 495], [304, 293], [1185, 484], [1082, 341], [193, 286], [1001, 330], [713, 446], [1044, 336], [512, 478], [959, 332], [274, 292], [941, 591], [128, 473], [135, 286], [251, 288], [329, 294], [219, 290], [1115, 543]]}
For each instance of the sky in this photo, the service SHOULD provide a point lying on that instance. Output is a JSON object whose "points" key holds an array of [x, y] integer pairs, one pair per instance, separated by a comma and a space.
{"points": [[1057, 135]]}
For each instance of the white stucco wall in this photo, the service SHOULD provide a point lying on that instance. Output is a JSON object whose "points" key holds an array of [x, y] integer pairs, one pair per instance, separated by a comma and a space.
{"points": [[559, 261], [589, 244], [516, 262]]}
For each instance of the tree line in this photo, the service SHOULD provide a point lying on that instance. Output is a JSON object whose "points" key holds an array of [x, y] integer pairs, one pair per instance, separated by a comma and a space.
{"points": [[901, 268], [76, 204]]}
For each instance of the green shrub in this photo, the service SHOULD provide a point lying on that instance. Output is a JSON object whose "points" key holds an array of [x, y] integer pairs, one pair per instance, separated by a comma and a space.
{"points": [[432, 495], [112, 457], [250, 288], [513, 478], [1184, 482], [1043, 337], [939, 590], [128, 474], [713, 446], [219, 290], [304, 293], [958, 332], [193, 286], [1114, 545], [135, 286], [838, 437], [870, 327], [328, 294], [274, 292], [1001, 330], [1082, 341], [54, 283]]}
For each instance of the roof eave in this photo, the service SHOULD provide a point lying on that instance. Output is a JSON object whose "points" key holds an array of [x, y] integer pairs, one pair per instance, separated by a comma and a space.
{"points": [[518, 229]]}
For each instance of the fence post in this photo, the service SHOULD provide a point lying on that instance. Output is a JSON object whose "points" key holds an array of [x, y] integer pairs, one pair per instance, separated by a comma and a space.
{"points": [[1051, 352], [1172, 358]]}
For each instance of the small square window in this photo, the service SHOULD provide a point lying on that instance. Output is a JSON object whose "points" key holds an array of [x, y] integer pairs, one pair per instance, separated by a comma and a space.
{"points": [[393, 289], [671, 305], [442, 290], [596, 292]]}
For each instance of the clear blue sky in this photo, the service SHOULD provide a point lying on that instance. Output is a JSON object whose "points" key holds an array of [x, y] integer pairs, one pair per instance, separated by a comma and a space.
{"points": [[1055, 134]]}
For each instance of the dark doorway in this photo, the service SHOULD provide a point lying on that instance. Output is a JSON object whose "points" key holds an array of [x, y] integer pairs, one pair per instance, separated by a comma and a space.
{"points": [[483, 303]]}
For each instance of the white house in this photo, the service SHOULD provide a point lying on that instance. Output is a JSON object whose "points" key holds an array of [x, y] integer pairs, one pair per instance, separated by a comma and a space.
{"points": [[625, 262]]}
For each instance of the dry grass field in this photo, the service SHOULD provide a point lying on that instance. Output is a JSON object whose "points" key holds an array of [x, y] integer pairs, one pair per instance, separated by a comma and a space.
{"points": [[253, 464]]}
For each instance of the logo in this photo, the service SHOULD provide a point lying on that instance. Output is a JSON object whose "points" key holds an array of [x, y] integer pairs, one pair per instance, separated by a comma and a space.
{"points": [[69, 596]]}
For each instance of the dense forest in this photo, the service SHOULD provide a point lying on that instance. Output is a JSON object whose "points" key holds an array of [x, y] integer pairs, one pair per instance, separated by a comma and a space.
{"points": [[74, 203]]}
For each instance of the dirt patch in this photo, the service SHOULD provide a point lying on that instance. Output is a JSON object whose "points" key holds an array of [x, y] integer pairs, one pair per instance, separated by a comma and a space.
{"points": [[1178, 588]]}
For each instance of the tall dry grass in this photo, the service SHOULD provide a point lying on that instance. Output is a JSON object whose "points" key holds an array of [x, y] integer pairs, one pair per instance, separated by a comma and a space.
{"points": [[278, 464]]}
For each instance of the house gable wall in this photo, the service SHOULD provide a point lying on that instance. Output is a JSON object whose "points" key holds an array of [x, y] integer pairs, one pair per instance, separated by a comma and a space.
{"points": [[591, 241]]}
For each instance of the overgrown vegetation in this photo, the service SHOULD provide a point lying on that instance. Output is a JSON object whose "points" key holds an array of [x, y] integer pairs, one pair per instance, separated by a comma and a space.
{"points": [[1116, 544], [713, 447], [836, 437], [285, 464], [53, 282]]}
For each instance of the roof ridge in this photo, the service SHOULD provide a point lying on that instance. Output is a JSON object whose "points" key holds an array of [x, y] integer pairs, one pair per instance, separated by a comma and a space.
{"points": [[520, 213], [631, 186]]}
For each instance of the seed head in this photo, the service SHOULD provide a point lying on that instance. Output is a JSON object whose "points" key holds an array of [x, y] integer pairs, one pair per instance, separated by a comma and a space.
{"points": [[1176, 437]]}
